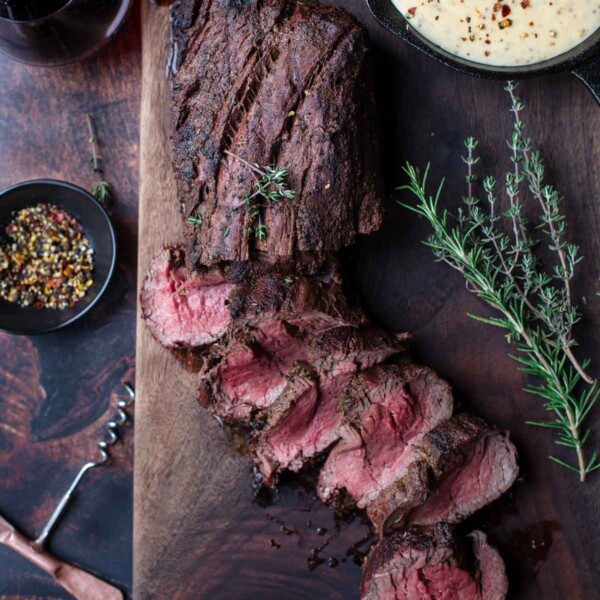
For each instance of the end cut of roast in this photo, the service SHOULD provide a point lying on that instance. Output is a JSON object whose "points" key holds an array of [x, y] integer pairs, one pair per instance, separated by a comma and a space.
{"points": [[181, 308], [191, 309], [292, 86], [429, 563]]}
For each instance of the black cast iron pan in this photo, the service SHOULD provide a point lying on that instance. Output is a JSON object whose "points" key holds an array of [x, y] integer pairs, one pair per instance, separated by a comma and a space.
{"points": [[583, 60]]}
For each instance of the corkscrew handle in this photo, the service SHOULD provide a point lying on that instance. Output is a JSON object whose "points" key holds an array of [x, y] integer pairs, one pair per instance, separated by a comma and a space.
{"points": [[112, 428]]}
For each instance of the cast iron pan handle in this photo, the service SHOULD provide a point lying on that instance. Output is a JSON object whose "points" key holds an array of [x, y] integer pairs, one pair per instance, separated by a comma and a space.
{"points": [[589, 74]]}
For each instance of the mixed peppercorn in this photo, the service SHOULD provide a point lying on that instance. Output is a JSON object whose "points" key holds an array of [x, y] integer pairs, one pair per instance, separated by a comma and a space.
{"points": [[47, 262]]}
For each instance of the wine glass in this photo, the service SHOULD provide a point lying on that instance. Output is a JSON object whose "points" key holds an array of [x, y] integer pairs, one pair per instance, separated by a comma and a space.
{"points": [[57, 32]]}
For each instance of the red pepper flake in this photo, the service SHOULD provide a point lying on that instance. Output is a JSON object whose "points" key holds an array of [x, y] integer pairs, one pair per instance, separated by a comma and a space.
{"points": [[493, 17], [525, 3], [411, 11], [497, 7], [487, 52], [505, 10]]}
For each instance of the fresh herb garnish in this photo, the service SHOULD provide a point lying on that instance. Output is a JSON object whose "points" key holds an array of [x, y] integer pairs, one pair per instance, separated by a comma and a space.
{"points": [[195, 220], [101, 189], [496, 253], [270, 187]]}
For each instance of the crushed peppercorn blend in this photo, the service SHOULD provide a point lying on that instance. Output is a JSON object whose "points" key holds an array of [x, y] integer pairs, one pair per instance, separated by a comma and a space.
{"points": [[48, 261]]}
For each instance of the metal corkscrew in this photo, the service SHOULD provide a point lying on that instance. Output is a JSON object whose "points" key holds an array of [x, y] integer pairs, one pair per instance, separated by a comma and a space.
{"points": [[80, 583], [112, 428]]}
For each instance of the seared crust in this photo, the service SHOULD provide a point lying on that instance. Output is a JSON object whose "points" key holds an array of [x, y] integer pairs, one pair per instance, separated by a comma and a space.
{"points": [[292, 87], [439, 451], [459, 467], [327, 348]]}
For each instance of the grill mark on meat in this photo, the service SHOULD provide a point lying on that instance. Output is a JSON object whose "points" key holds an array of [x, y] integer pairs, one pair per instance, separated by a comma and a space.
{"points": [[310, 83], [302, 49]]}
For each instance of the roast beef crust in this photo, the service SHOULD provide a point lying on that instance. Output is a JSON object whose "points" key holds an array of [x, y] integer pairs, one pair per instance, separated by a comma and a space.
{"points": [[416, 549], [429, 540], [292, 86]]}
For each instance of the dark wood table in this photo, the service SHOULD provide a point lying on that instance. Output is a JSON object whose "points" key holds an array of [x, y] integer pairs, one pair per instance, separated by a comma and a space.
{"points": [[56, 391]]}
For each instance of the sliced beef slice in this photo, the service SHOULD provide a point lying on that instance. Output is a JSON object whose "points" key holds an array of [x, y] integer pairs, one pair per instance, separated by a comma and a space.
{"points": [[385, 410], [435, 454], [251, 370], [462, 465], [430, 564], [305, 432], [485, 472], [183, 308], [292, 87], [192, 309], [273, 447]]}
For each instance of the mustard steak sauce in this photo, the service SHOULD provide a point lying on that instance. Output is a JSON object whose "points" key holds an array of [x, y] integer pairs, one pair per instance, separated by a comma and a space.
{"points": [[510, 33]]}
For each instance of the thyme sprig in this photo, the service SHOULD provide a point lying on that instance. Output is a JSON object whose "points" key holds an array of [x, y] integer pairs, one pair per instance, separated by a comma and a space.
{"points": [[101, 189], [496, 253], [270, 187], [195, 220]]}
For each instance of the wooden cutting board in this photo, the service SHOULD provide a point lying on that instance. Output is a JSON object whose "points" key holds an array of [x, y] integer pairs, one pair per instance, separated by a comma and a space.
{"points": [[198, 532]]}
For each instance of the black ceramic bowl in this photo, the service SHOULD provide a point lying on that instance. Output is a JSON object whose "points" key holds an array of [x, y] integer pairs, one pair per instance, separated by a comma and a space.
{"points": [[583, 60], [96, 226]]}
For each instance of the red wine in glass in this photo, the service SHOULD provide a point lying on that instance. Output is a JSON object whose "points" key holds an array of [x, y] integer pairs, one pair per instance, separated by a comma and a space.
{"points": [[56, 32]]}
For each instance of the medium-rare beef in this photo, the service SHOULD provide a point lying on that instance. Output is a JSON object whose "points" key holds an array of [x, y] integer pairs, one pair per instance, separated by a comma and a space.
{"points": [[292, 86], [192, 309], [251, 370], [436, 453], [429, 564], [183, 308], [457, 468], [492, 578], [485, 472], [305, 429], [385, 411], [274, 444]]}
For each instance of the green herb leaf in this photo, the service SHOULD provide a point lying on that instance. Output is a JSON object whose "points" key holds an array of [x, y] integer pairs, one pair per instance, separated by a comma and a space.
{"points": [[495, 251]]}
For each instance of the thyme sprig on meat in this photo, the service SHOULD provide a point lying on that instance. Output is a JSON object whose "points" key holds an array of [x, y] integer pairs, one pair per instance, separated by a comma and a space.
{"points": [[496, 252], [270, 187]]}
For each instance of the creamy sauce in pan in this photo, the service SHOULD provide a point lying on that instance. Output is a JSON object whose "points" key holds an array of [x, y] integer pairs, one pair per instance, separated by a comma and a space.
{"points": [[508, 33]]}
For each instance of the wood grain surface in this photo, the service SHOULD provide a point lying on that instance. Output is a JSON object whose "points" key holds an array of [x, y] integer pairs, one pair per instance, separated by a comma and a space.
{"points": [[198, 533], [58, 390]]}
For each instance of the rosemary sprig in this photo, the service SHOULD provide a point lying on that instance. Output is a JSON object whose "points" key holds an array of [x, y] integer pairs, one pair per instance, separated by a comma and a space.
{"points": [[101, 189], [534, 303], [270, 187]]}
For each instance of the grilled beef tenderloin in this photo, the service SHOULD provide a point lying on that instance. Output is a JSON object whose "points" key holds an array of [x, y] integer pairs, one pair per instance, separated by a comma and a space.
{"points": [[292, 87], [305, 431]]}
